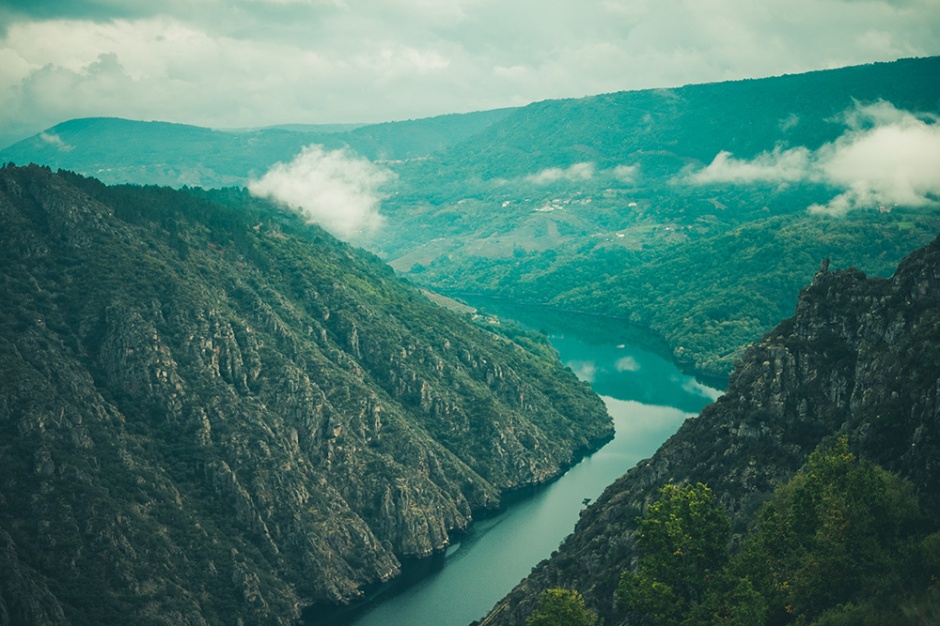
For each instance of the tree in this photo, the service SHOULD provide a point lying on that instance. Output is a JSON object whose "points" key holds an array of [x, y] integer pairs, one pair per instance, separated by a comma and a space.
{"points": [[561, 607], [838, 532], [683, 542]]}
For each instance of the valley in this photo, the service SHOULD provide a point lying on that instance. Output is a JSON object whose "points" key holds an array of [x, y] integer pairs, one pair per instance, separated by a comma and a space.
{"points": [[249, 376], [648, 400], [605, 204]]}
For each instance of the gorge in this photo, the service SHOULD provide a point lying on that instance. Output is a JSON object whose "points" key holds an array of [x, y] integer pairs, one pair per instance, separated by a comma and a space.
{"points": [[215, 413], [648, 399]]}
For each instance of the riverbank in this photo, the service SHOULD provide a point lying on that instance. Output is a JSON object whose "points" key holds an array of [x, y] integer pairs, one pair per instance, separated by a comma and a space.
{"points": [[647, 396]]}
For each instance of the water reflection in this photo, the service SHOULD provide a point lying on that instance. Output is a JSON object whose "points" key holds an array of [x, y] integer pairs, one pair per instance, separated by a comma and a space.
{"points": [[626, 372]]}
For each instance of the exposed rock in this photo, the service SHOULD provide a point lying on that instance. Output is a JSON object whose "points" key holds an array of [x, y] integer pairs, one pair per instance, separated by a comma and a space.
{"points": [[203, 423], [860, 357]]}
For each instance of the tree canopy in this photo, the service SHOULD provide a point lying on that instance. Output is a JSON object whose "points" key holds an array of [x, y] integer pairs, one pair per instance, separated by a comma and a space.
{"points": [[843, 542], [561, 607]]}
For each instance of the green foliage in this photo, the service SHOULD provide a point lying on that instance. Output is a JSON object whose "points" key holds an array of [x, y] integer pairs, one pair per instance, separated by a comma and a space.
{"points": [[709, 268], [729, 601], [216, 411], [841, 543], [840, 531], [561, 607], [682, 539]]}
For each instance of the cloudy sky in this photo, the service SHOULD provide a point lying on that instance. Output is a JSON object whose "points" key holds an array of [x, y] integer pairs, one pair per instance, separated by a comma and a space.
{"points": [[244, 63]]}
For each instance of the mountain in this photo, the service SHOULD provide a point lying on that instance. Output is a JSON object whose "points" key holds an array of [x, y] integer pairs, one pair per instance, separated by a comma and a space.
{"points": [[684, 210], [593, 203], [212, 412], [160, 153], [859, 359]]}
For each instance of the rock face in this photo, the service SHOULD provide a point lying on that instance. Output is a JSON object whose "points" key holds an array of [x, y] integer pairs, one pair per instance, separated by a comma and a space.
{"points": [[213, 413], [861, 357]]}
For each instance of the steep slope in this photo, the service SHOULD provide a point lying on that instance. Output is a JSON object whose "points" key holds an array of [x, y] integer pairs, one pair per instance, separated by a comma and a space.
{"points": [[214, 413], [859, 358], [585, 203]]}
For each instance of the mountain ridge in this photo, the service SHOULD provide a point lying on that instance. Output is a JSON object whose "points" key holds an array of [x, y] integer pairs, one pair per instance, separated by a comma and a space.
{"points": [[857, 360], [213, 412]]}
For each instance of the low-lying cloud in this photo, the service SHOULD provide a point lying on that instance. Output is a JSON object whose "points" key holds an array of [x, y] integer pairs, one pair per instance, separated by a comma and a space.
{"points": [[55, 141], [778, 166], [625, 173], [576, 173], [335, 189], [885, 157], [583, 172]]}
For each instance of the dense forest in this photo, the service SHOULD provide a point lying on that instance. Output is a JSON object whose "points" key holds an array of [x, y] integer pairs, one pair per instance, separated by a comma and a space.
{"points": [[214, 413]]}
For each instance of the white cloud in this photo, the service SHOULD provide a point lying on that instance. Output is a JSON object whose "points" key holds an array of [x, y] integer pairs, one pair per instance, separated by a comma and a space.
{"points": [[776, 166], [895, 161], [886, 156], [54, 140], [625, 173], [334, 189], [575, 173]]}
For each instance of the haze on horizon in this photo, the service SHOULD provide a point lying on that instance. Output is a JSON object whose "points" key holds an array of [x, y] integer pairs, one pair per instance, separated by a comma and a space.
{"points": [[249, 63]]}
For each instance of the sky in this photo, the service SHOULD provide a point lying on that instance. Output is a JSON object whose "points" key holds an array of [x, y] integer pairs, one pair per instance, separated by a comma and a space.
{"points": [[250, 63]]}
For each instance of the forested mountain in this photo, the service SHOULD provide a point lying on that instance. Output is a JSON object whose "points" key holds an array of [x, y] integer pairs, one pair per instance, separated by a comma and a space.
{"points": [[860, 361], [684, 210], [214, 413], [159, 153]]}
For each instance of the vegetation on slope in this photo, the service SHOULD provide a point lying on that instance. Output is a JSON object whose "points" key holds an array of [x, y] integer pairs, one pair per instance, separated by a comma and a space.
{"points": [[842, 542], [589, 203], [212, 412], [857, 360]]}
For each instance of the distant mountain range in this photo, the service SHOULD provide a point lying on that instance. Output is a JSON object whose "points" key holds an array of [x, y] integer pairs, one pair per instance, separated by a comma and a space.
{"points": [[683, 210], [159, 153]]}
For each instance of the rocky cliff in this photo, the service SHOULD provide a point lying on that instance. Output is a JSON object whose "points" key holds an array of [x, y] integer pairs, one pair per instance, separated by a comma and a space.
{"points": [[211, 412], [861, 358]]}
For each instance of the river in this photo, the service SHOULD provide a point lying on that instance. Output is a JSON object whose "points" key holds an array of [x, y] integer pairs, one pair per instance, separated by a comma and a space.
{"points": [[647, 397]]}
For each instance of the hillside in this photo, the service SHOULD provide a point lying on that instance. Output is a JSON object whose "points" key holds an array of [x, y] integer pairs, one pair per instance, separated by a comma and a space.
{"points": [[159, 153], [858, 359], [602, 203], [213, 413], [697, 211]]}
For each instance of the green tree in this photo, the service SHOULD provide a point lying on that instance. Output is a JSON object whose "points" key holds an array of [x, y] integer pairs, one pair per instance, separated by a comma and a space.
{"points": [[729, 601], [836, 533], [683, 542], [561, 607]]}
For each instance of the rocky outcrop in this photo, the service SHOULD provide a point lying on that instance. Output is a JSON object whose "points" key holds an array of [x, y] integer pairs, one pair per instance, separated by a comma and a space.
{"points": [[213, 413], [859, 358]]}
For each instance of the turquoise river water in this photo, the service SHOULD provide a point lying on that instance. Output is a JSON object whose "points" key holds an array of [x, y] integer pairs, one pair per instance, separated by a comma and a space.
{"points": [[648, 398]]}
